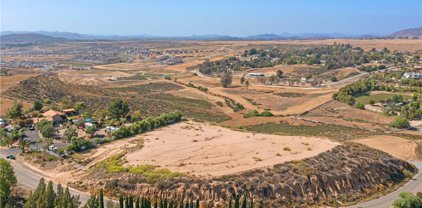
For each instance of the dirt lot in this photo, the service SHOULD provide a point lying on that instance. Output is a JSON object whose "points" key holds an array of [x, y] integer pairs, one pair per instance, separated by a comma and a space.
{"points": [[396, 146], [202, 149], [346, 112]]}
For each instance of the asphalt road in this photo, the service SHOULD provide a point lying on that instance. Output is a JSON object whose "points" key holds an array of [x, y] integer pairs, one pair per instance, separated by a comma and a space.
{"points": [[30, 178], [413, 186]]}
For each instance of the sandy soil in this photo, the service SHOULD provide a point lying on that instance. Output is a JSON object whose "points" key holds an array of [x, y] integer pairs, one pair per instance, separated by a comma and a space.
{"points": [[396, 146], [203, 149], [92, 77]]}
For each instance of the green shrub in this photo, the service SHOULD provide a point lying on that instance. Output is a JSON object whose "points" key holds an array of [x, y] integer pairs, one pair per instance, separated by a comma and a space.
{"points": [[252, 113], [360, 106], [401, 123], [266, 113]]}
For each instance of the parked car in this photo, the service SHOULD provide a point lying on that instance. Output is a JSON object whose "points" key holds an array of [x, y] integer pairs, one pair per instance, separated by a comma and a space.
{"points": [[12, 157], [31, 127], [52, 147]]}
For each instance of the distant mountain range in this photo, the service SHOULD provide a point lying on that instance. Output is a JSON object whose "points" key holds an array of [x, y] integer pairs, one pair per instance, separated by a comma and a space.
{"points": [[23, 38], [45, 36], [409, 33]]}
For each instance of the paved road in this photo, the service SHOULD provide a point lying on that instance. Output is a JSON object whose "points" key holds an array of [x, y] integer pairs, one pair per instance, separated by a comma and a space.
{"points": [[30, 178], [413, 186]]}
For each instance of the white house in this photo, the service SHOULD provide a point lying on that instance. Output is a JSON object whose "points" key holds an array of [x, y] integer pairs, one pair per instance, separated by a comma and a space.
{"points": [[256, 74], [412, 75]]}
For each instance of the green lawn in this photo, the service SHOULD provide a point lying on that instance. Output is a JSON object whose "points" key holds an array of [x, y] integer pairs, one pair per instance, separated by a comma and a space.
{"points": [[364, 99]]}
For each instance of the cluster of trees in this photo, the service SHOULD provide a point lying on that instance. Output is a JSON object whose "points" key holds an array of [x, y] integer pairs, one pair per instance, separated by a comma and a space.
{"points": [[44, 196], [201, 88], [254, 113], [332, 56], [408, 200], [147, 124], [372, 68], [346, 94], [45, 128], [7, 181], [234, 105], [409, 109]]}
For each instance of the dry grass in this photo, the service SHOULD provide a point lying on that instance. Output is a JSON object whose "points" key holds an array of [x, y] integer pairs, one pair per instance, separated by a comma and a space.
{"points": [[219, 151]]}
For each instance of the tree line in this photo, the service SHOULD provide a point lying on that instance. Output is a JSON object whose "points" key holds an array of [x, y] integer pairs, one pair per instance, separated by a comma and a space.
{"points": [[147, 124]]}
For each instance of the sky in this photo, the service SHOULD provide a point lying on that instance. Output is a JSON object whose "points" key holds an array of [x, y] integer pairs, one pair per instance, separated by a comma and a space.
{"points": [[200, 17]]}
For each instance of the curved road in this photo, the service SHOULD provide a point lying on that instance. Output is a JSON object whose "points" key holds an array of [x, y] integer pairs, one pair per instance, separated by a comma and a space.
{"points": [[413, 186], [30, 177]]}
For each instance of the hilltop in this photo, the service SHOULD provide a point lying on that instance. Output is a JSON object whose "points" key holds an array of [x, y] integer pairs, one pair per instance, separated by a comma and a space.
{"points": [[410, 33]]}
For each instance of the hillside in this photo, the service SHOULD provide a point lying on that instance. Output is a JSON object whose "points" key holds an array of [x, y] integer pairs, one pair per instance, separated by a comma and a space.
{"points": [[409, 33], [342, 175], [29, 38]]}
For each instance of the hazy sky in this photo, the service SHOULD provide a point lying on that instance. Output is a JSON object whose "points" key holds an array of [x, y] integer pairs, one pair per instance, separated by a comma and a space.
{"points": [[229, 17]]}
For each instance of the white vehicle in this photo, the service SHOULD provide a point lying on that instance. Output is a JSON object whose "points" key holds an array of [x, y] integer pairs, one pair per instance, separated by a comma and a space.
{"points": [[52, 147]]}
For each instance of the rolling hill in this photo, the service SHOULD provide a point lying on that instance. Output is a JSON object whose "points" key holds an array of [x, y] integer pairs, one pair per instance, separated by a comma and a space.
{"points": [[409, 33]]}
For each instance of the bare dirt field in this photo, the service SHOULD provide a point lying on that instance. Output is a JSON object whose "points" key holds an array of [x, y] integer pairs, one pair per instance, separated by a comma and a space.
{"points": [[346, 112], [202, 149], [396, 146]]}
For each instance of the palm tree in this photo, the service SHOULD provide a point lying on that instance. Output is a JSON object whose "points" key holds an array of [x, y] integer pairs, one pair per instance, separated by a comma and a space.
{"points": [[23, 144]]}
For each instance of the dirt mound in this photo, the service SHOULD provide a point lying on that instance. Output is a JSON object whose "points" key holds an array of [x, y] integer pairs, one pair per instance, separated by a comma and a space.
{"points": [[208, 150], [346, 173]]}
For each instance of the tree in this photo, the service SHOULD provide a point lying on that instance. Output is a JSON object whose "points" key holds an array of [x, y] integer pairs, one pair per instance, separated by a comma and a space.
{"points": [[7, 180], [242, 80], [70, 133], [401, 123], [37, 105], [23, 144], [90, 130], [226, 79], [247, 84], [79, 106], [49, 195], [92, 202], [279, 74], [15, 111], [236, 202], [118, 108], [101, 199], [44, 196], [407, 200], [46, 129], [101, 116], [136, 116], [121, 201], [244, 202]]}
